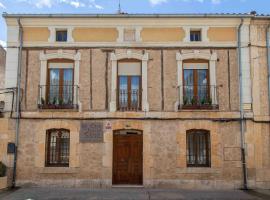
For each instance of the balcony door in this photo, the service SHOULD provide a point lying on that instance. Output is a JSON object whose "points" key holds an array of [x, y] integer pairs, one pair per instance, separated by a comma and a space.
{"points": [[129, 86], [196, 84], [60, 85]]}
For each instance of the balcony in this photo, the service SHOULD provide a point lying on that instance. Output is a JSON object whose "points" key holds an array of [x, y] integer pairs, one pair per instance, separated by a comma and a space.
{"points": [[201, 97], [58, 97], [129, 100]]}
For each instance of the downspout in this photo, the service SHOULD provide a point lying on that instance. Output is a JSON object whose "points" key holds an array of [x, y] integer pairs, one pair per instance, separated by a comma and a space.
{"points": [[242, 129], [18, 97], [268, 61]]}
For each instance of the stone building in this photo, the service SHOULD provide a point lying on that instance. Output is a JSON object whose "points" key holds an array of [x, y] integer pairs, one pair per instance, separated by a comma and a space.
{"points": [[174, 101]]}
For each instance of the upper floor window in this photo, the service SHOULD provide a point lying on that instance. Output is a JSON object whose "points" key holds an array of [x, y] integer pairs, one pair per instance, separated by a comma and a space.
{"points": [[198, 148], [196, 88], [61, 35], [195, 35], [129, 86], [57, 147], [60, 91], [129, 35]]}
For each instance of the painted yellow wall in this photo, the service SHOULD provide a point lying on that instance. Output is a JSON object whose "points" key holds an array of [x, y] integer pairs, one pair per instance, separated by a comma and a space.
{"points": [[162, 34], [31, 34], [95, 34], [222, 34]]}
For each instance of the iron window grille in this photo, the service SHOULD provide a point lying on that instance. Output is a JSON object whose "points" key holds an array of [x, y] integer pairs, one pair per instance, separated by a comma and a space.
{"points": [[198, 148], [57, 148]]}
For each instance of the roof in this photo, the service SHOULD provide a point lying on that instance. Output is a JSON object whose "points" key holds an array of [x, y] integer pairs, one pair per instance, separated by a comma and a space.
{"points": [[126, 15]]}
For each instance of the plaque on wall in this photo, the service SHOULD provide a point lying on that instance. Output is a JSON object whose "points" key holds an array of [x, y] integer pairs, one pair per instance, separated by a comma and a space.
{"points": [[91, 132]]}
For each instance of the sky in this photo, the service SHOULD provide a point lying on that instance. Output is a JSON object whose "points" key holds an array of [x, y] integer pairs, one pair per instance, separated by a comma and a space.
{"points": [[129, 6]]}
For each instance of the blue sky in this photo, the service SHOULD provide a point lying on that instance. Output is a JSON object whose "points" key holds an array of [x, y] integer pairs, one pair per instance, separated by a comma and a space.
{"points": [[130, 6]]}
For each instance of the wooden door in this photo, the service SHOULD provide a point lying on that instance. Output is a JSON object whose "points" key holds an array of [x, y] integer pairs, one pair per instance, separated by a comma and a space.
{"points": [[127, 158]]}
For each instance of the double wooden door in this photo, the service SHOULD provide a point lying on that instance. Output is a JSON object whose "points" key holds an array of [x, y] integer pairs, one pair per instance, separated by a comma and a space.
{"points": [[127, 159]]}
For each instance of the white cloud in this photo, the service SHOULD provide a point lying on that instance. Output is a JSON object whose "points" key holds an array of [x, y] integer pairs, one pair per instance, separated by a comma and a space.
{"points": [[3, 44], [156, 2], [73, 3], [2, 5]]}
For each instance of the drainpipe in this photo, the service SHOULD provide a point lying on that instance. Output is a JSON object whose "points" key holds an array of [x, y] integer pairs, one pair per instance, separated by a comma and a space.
{"points": [[268, 60], [18, 97], [242, 129]]}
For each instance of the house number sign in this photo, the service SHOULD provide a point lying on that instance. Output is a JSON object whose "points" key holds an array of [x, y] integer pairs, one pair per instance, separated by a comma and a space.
{"points": [[91, 132]]}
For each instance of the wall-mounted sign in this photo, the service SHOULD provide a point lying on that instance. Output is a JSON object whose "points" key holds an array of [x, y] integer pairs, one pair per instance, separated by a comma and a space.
{"points": [[91, 132], [108, 126]]}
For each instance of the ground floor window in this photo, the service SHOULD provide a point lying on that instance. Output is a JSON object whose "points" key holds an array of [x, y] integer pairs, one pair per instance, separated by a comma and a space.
{"points": [[57, 147], [198, 148]]}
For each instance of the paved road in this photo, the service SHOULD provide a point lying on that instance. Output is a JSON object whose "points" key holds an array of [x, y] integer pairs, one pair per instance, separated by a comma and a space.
{"points": [[126, 194]]}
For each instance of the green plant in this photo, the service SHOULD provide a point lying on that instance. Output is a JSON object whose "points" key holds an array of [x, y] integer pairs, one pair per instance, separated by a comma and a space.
{"points": [[203, 101], [61, 101], [185, 100], [42, 101], [209, 101], [3, 169], [54, 101], [193, 101]]}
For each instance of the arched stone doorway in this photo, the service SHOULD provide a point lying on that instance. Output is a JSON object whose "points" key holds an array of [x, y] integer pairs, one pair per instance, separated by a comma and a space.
{"points": [[127, 157]]}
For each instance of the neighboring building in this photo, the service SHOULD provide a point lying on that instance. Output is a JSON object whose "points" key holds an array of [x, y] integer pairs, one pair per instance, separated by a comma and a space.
{"points": [[148, 100]]}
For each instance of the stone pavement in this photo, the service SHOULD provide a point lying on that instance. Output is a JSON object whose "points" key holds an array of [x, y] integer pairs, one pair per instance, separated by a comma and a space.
{"points": [[34, 193]]}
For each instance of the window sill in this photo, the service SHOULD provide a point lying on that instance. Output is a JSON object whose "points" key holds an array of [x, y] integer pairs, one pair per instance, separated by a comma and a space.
{"points": [[199, 170], [57, 170]]}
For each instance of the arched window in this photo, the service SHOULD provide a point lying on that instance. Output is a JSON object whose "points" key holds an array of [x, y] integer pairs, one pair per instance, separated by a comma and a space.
{"points": [[198, 148], [57, 148]]}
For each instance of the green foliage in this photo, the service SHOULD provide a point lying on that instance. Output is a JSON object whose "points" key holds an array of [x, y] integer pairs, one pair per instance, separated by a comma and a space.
{"points": [[3, 169]]}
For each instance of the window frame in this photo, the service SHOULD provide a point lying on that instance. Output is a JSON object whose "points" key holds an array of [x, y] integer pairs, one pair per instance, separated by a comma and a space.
{"points": [[62, 31], [60, 61], [195, 133], [58, 145], [129, 85], [195, 78], [194, 32]]}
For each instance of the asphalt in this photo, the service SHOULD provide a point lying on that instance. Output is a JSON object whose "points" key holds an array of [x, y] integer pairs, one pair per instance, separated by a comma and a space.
{"points": [[36, 193]]}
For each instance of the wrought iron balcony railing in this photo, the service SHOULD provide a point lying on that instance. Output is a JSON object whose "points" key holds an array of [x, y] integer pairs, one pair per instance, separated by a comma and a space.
{"points": [[58, 97], [198, 97], [129, 100]]}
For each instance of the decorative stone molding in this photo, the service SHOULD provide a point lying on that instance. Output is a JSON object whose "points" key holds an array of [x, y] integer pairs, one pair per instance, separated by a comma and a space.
{"points": [[204, 30], [60, 54], [196, 54], [53, 29], [129, 55], [121, 36]]}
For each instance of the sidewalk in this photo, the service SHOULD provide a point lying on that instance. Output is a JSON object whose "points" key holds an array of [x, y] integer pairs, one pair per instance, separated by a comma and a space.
{"points": [[128, 194]]}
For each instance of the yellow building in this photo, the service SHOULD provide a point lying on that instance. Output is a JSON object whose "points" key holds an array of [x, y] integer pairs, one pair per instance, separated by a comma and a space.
{"points": [[152, 100]]}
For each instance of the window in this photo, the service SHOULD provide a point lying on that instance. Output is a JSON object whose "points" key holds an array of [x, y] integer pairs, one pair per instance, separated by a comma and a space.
{"points": [[196, 84], [198, 148], [129, 35], [57, 147], [195, 36], [61, 35], [129, 86], [60, 88]]}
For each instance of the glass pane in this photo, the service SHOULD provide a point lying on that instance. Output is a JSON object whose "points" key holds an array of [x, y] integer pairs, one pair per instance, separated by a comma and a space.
{"points": [[64, 145], [201, 148], [53, 148], [123, 91], [191, 153], [188, 85], [135, 87], [202, 85], [68, 86], [54, 86]]}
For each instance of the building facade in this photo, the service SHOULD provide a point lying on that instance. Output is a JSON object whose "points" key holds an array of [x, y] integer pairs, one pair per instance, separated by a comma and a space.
{"points": [[178, 101]]}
